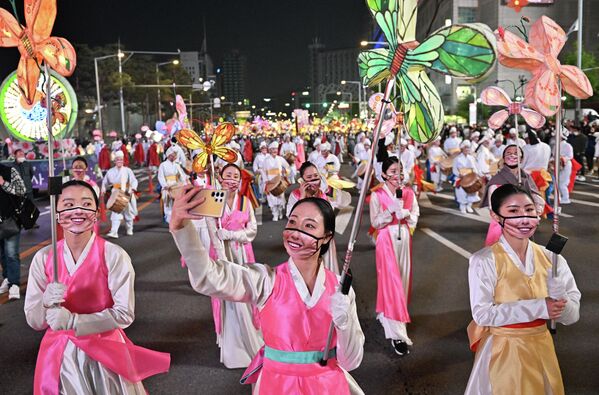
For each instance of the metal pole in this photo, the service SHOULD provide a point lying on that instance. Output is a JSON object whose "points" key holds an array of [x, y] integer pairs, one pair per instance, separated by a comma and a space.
{"points": [[98, 98], [360, 205], [51, 170], [579, 57], [556, 196], [158, 83], [191, 110], [518, 149], [121, 92]]}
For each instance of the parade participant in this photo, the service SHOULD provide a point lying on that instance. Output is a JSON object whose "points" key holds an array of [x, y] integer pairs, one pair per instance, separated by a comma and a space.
{"points": [[452, 144], [301, 152], [512, 294], [84, 349], [362, 159], [275, 166], [237, 331], [514, 139], [508, 174], [170, 174], [435, 156], [315, 154], [386, 148], [498, 147], [297, 301], [260, 173], [408, 160], [289, 152], [464, 164], [121, 177], [79, 169], [139, 154], [359, 148], [154, 155], [484, 157], [104, 159], [474, 141], [565, 170], [394, 219]]}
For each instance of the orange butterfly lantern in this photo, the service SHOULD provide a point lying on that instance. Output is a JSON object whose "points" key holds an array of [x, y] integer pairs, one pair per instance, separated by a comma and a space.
{"points": [[517, 4], [221, 136], [36, 45], [539, 56]]}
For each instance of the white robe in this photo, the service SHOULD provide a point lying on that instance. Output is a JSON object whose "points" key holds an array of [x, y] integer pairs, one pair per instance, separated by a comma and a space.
{"points": [[484, 158], [378, 219], [80, 374], [435, 156], [451, 144], [258, 167], [536, 157], [482, 279], [276, 165], [567, 154], [169, 169], [465, 162], [255, 283], [125, 177]]}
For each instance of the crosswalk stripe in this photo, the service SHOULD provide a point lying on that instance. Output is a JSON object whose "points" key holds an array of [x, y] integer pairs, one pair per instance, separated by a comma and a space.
{"points": [[596, 195], [425, 202], [447, 243], [584, 202], [343, 218]]}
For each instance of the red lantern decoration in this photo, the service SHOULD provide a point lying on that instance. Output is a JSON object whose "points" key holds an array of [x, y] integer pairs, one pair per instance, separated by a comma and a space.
{"points": [[517, 4]]}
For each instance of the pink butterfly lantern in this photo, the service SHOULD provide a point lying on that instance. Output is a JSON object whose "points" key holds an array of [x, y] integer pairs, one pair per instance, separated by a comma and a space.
{"points": [[539, 56], [495, 96]]}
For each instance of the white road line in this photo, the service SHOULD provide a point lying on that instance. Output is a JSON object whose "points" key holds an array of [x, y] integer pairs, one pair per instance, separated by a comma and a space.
{"points": [[258, 214], [447, 243], [584, 202], [343, 218], [596, 195], [425, 202], [589, 184], [45, 212]]}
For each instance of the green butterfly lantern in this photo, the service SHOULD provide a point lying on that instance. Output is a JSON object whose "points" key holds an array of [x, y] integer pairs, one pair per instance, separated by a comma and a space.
{"points": [[462, 51]]}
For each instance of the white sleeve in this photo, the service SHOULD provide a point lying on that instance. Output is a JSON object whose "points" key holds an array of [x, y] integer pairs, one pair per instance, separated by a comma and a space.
{"points": [[378, 218], [414, 213], [161, 177], [455, 169], [35, 312], [350, 339], [571, 313], [132, 179], [482, 280], [222, 279], [290, 203], [121, 278]]}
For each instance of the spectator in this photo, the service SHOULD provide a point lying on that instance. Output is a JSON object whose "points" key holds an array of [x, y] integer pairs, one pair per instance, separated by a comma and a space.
{"points": [[11, 185], [25, 170]]}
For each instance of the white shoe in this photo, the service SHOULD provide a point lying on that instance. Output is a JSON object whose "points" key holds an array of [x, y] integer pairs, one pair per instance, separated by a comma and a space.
{"points": [[469, 209], [463, 208], [14, 292], [112, 235], [581, 178], [275, 218], [129, 232], [4, 286], [439, 189]]}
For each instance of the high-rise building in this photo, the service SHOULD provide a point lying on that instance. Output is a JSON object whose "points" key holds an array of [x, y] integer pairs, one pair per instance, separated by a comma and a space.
{"points": [[234, 73]]}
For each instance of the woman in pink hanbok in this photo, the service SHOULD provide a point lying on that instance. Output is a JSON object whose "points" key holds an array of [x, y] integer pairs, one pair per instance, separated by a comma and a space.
{"points": [[296, 302], [394, 214], [84, 349], [237, 328]]}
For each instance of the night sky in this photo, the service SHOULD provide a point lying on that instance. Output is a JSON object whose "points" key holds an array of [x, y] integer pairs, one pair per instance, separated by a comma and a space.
{"points": [[274, 35]]}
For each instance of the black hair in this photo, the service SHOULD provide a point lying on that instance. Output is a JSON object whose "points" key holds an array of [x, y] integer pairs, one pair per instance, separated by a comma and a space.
{"points": [[499, 196], [512, 145], [230, 165], [80, 159], [328, 214], [84, 184], [390, 161], [17, 150], [305, 167], [533, 139]]}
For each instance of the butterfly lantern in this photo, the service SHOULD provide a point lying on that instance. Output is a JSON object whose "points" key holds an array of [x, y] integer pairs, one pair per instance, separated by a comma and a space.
{"points": [[462, 51], [495, 96], [539, 56], [35, 45], [221, 136], [390, 117]]}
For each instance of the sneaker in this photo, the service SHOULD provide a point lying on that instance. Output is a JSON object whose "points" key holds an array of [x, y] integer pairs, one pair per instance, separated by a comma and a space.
{"points": [[581, 178], [129, 232], [4, 286], [400, 347], [469, 209], [275, 218], [14, 292], [463, 208], [112, 235]]}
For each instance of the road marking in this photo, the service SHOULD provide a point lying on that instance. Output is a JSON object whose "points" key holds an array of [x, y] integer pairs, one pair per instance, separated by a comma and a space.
{"points": [[447, 243], [586, 183], [425, 202], [45, 212], [584, 202], [596, 195], [258, 214], [343, 217]]}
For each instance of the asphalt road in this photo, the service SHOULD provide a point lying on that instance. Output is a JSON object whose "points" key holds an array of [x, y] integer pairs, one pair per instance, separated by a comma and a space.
{"points": [[171, 317]]}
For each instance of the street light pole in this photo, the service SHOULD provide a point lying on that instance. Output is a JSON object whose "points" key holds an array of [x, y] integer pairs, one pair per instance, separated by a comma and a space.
{"points": [[99, 101], [359, 94], [579, 57], [122, 100], [158, 83]]}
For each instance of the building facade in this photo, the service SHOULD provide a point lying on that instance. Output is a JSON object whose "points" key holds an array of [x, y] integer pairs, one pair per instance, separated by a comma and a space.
{"points": [[234, 74]]}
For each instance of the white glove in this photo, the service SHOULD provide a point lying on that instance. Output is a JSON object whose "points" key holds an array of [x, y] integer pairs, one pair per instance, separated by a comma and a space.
{"points": [[340, 309], [223, 234], [556, 287], [54, 294], [403, 213], [60, 319], [396, 206]]}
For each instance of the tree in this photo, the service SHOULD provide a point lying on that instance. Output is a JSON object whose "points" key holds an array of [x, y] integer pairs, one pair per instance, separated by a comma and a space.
{"points": [[589, 61]]}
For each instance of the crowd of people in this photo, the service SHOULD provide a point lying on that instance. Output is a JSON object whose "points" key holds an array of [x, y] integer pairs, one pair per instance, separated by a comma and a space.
{"points": [[274, 320]]}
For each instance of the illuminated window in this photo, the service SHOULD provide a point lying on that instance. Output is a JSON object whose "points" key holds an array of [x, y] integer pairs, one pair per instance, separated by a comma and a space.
{"points": [[466, 14]]}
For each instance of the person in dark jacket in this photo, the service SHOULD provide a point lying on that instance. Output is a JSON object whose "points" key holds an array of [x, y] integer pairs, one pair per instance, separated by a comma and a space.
{"points": [[25, 170], [11, 186]]}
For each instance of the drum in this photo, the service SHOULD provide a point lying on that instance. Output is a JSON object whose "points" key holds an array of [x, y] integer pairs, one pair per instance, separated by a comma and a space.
{"points": [[277, 186], [290, 158], [342, 199], [447, 166], [494, 168], [471, 183], [118, 201], [361, 169]]}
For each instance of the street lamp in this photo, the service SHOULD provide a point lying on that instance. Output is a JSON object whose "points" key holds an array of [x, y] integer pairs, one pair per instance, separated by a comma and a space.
{"points": [[381, 43], [175, 62], [98, 98]]}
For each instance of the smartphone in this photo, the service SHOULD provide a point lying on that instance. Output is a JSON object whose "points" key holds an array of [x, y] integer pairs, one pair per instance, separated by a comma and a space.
{"points": [[300, 181], [214, 205]]}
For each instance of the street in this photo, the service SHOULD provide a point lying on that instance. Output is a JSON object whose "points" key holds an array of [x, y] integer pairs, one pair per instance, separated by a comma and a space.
{"points": [[171, 317]]}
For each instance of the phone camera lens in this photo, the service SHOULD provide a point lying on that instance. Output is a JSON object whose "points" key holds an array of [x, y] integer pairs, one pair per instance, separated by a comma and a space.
{"points": [[213, 193]]}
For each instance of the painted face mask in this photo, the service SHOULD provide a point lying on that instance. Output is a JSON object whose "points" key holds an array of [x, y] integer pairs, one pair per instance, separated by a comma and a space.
{"points": [[77, 220], [231, 184], [394, 179], [520, 226], [302, 244]]}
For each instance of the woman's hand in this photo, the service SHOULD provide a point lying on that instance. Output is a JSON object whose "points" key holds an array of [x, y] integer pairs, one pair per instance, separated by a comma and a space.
{"points": [[304, 187], [555, 308], [183, 204]]}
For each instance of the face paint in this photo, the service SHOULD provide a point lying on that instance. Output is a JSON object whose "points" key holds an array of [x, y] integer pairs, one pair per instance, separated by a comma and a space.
{"points": [[301, 244], [77, 220], [231, 184], [520, 226]]}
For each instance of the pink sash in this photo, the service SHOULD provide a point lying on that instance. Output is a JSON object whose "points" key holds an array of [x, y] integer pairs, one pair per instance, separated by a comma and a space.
{"points": [[390, 296], [87, 292]]}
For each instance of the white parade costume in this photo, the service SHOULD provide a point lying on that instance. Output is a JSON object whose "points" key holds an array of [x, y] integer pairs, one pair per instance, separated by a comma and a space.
{"points": [[122, 178], [435, 156], [484, 159], [567, 154], [273, 167], [462, 165], [169, 175], [452, 145], [536, 157]]}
